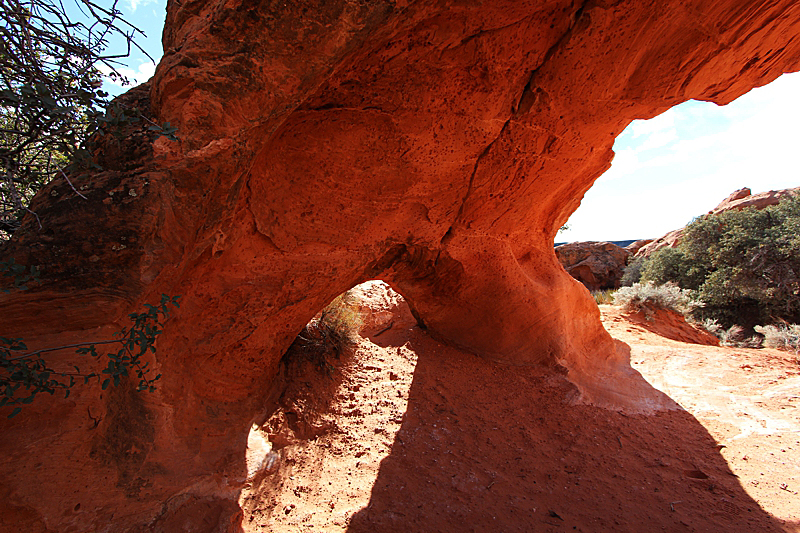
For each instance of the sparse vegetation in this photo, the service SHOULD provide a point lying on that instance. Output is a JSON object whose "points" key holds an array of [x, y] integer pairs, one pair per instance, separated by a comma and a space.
{"points": [[331, 333], [647, 297], [24, 374], [784, 336], [604, 297], [711, 326], [736, 336]]}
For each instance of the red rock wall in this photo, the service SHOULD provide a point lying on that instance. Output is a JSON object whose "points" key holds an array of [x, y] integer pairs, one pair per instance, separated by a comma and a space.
{"points": [[438, 146]]}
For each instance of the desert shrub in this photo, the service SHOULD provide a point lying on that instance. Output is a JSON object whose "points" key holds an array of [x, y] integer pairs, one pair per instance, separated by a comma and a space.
{"points": [[604, 297], [712, 326], [743, 265], [633, 272], [738, 337], [734, 336], [784, 336], [331, 333], [648, 297]]}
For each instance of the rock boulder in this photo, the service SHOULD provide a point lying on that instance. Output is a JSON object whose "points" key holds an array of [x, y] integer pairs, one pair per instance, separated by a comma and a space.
{"points": [[598, 265]]}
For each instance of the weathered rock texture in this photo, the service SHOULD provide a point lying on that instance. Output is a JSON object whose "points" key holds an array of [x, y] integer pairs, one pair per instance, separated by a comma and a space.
{"points": [[598, 265], [738, 199], [436, 145], [637, 245], [744, 198]]}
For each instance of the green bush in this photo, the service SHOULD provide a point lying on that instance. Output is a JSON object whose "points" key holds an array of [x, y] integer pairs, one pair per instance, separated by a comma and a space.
{"points": [[633, 272], [743, 265], [671, 265]]}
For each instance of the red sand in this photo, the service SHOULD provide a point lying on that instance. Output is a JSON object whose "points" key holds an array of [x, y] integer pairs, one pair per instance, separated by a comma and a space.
{"points": [[411, 435]]}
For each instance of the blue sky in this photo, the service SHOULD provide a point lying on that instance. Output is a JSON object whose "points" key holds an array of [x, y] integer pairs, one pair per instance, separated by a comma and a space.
{"points": [[667, 170], [148, 16], [682, 163]]}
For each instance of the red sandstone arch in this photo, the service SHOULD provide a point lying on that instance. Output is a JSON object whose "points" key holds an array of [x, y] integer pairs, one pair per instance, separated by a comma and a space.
{"points": [[436, 145]]}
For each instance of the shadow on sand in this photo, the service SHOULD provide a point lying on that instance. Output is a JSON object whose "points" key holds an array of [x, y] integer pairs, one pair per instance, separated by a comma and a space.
{"points": [[486, 447]]}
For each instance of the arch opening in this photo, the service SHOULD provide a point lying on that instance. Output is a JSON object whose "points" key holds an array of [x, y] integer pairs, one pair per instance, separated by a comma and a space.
{"points": [[675, 167], [696, 159], [339, 400]]}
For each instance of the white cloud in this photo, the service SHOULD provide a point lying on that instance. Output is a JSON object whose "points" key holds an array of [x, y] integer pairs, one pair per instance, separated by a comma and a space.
{"points": [[133, 5], [659, 139], [663, 122], [143, 73]]}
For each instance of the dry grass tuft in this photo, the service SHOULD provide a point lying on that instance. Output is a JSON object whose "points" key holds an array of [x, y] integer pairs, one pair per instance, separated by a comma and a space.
{"points": [[332, 333], [604, 297], [784, 336]]}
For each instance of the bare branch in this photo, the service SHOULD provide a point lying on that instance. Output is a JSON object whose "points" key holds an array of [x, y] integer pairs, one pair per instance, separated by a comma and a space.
{"points": [[71, 185]]}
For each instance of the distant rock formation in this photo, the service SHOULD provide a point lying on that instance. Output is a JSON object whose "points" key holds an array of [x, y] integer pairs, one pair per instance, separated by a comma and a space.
{"points": [[636, 245], [598, 265], [738, 199], [744, 198]]}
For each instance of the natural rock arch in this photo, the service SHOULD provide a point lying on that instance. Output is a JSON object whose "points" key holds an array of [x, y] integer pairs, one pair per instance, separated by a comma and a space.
{"points": [[439, 146]]}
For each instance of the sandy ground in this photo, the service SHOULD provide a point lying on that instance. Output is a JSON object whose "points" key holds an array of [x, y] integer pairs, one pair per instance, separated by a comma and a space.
{"points": [[748, 400], [409, 435]]}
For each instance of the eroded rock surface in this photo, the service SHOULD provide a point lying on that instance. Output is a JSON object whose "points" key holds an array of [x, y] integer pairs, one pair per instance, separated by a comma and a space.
{"points": [[437, 146]]}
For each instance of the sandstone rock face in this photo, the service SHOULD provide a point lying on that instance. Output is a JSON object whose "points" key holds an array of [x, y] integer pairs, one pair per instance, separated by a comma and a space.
{"points": [[438, 146], [738, 199], [636, 246], [670, 240], [743, 198], [378, 305], [598, 265]]}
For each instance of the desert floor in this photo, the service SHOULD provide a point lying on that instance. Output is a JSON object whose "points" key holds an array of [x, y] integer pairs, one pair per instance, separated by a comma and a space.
{"points": [[410, 435]]}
